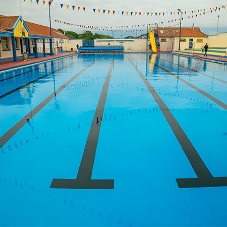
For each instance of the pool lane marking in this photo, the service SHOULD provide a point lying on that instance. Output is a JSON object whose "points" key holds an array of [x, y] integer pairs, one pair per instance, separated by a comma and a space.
{"points": [[16, 89], [205, 178], [195, 71], [83, 179], [212, 98], [29, 71], [11, 132]]}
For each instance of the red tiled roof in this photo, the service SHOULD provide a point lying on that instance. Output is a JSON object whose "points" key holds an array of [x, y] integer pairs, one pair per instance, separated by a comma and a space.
{"points": [[7, 23], [185, 32], [40, 30]]}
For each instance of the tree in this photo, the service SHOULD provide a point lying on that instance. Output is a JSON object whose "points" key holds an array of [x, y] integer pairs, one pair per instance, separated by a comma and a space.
{"points": [[60, 30], [88, 35]]}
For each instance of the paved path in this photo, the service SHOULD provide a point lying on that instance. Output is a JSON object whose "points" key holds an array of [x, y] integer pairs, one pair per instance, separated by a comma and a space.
{"points": [[201, 56], [21, 62]]}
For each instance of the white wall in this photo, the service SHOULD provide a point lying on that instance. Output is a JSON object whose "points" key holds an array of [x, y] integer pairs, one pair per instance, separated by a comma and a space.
{"points": [[218, 40], [185, 45], [128, 44], [74, 42]]}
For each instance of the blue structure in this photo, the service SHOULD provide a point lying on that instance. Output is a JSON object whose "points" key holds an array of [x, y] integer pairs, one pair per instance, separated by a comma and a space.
{"points": [[101, 49]]}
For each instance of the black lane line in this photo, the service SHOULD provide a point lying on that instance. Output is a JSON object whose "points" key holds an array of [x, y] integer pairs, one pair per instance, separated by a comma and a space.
{"points": [[29, 71], [205, 178], [16, 89], [220, 103], [11, 132], [83, 180], [195, 71]]}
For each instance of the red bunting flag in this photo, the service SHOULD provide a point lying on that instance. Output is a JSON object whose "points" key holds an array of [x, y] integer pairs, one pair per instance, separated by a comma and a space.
{"points": [[44, 2], [113, 12], [78, 8], [108, 11], [83, 8], [163, 14], [135, 13], [139, 13]]}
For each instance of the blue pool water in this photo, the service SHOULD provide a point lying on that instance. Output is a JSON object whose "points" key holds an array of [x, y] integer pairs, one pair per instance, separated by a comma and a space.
{"points": [[114, 140]]}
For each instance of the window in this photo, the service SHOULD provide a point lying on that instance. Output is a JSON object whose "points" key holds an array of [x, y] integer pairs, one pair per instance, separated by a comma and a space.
{"points": [[33, 42], [183, 40], [5, 43], [163, 40], [199, 40], [16, 44], [24, 42], [175, 31], [164, 31]]}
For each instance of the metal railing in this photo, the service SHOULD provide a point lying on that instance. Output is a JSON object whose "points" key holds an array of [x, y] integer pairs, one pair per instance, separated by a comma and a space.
{"points": [[223, 57], [56, 49]]}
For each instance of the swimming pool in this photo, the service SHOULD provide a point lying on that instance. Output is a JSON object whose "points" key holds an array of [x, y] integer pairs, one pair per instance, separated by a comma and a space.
{"points": [[114, 140]]}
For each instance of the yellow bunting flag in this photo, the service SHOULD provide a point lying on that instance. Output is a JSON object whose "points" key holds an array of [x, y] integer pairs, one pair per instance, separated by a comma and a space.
{"points": [[127, 13], [151, 14], [67, 6], [30, 0], [99, 10], [174, 13]]}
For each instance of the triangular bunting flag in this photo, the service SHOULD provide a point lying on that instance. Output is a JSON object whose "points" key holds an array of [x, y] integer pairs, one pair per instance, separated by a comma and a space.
{"points": [[61, 5], [84, 9], [99, 10], [78, 8], [37, 1], [67, 6], [94, 10], [73, 7], [44, 2], [113, 12]]}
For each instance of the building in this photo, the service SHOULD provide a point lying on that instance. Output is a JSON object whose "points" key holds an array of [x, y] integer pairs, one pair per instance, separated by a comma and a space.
{"points": [[18, 36], [190, 38]]}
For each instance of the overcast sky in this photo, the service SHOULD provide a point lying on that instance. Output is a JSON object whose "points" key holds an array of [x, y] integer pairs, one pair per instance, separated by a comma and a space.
{"points": [[39, 13]]}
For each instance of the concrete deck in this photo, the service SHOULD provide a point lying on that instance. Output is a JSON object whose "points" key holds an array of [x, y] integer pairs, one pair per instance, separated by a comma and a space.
{"points": [[20, 62], [208, 58]]}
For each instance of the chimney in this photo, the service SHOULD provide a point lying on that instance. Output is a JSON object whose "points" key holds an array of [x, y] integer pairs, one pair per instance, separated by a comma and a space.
{"points": [[193, 26]]}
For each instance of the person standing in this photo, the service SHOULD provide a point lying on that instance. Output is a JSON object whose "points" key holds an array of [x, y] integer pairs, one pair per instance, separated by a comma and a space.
{"points": [[205, 48]]}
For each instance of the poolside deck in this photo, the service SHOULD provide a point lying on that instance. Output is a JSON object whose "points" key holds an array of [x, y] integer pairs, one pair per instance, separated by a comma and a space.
{"points": [[20, 62], [208, 57]]}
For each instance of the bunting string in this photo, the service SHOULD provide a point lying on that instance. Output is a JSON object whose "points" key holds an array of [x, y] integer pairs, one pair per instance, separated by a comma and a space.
{"points": [[132, 27], [128, 13]]}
